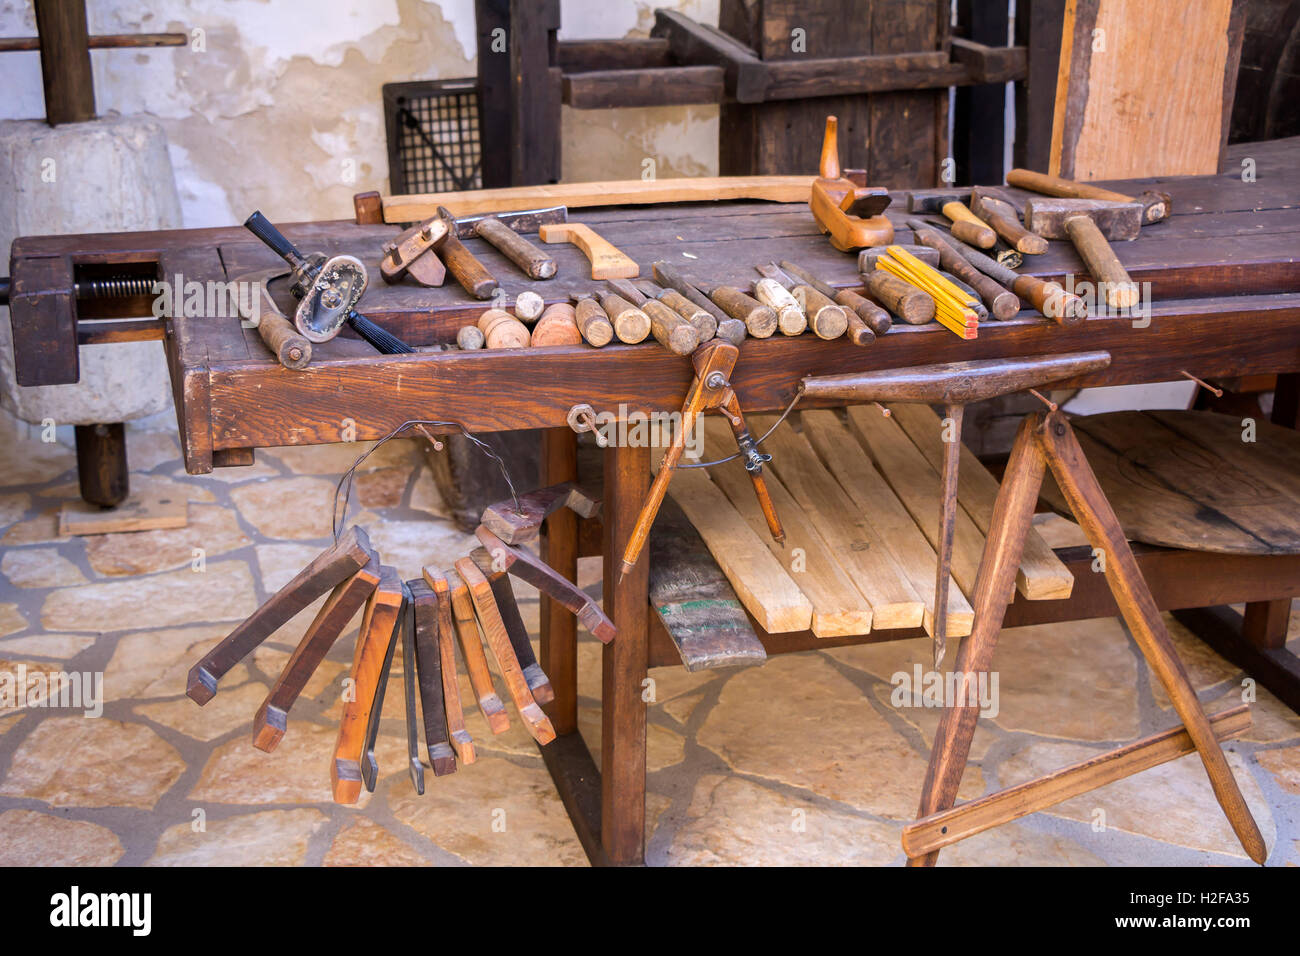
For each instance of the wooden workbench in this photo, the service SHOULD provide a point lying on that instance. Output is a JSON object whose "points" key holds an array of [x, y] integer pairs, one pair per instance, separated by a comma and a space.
{"points": [[1226, 288]]}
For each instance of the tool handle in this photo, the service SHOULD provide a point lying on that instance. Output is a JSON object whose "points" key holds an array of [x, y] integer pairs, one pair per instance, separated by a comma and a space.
{"points": [[1009, 228], [535, 263], [760, 320], [289, 345], [557, 326], [828, 320], [670, 330], [593, 323], [630, 323], [261, 227], [468, 271], [977, 234], [1097, 254], [607, 262], [790, 318], [383, 340], [501, 330], [871, 316], [1049, 298], [705, 324], [906, 301], [1056, 186]]}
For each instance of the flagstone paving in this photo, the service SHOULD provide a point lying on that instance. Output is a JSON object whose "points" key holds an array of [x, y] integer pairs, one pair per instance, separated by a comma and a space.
{"points": [[808, 760]]}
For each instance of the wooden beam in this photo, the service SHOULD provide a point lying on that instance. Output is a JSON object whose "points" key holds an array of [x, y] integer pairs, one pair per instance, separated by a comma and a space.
{"points": [[694, 43], [630, 53], [417, 207], [664, 86], [990, 64], [65, 61], [107, 41], [938, 830]]}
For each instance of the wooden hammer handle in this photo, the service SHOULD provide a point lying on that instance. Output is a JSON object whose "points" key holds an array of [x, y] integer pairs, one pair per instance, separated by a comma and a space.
{"points": [[1002, 304], [906, 301], [631, 325], [670, 330], [1049, 298], [1016, 235], [828, 320], [1102, 262], [871, 316], [1056, 186], [760, 320], [535, 263], [593, 323], [467, 270]]}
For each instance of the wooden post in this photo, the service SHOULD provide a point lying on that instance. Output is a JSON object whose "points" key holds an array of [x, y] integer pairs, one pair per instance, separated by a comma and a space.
{"points": [[559, 546], [65, 61], [622, 712], [101, 463]]}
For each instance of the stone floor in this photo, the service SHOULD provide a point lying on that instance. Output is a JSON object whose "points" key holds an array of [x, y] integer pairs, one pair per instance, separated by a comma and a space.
{"points": [[801, 761]]}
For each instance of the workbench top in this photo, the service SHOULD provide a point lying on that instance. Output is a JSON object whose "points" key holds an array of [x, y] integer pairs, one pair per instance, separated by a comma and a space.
{"points": [[1224, 274]]}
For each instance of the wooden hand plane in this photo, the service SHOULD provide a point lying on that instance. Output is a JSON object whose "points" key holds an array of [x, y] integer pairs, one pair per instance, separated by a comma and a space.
{"points": [[851, 214]]}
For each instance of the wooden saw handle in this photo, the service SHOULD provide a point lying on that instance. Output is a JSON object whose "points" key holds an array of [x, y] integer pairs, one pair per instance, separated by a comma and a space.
{"points": [[606, 260]]}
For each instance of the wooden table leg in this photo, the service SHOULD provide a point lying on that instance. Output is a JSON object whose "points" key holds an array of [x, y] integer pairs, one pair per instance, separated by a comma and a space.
{"points": [[623, 713], [1097, 519], [995, 582], [559, 549]]}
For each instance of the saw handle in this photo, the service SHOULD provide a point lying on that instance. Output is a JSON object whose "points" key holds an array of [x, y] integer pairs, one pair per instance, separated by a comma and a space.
{"points": [[261, 227]]}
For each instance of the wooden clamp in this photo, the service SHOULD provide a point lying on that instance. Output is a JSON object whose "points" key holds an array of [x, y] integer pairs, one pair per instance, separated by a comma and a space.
{"points": [[607, 262]]}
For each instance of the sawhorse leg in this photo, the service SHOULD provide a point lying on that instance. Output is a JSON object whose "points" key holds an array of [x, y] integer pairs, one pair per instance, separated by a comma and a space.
{"points": [[1048, 440]]}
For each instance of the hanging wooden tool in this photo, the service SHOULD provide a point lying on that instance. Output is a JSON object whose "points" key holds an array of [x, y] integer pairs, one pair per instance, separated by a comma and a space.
{"points": [[849, 213]]}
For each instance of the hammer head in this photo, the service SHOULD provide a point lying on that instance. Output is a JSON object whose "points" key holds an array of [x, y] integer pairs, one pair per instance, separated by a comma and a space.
{"points": [[989, 200], [524, 221], [933, 200], [1047, 216]]}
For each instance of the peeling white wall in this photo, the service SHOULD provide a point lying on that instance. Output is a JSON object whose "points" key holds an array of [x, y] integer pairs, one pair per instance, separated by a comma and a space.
{"points": [[281, 109]]}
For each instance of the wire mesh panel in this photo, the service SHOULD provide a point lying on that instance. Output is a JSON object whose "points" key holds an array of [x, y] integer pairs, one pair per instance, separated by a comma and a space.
{"points": [[434, 144]]}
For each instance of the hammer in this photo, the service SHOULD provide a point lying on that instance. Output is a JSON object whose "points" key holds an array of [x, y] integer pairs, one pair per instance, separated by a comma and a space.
{"points": [[1089, 223], [1155, 205]]}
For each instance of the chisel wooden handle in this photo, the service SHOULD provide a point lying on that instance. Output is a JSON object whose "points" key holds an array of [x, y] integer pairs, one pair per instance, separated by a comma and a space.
{"points": [[1049, 298], [729, 328], [631, 325], [535, 263], [429, 676], [760, 320], [557, 326], [828, 320], [1102, 262], [670, 330], [501, 330], [466, 269], [703, 321], [790, 318], [866, 319], [906, 301], [592, 322]]}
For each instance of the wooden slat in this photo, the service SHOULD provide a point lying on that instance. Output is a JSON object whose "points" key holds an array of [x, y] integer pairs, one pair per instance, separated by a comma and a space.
{"points": [[854, 542], [628, 192], [694, 600], [941, 829], [1042, 575], [918, 487], [877, 501], [666, 86], [839, 607], [760, 581]]}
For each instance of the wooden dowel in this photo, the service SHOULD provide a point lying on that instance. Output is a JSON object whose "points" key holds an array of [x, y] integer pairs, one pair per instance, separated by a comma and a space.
{"points": [[760, 320], [904, 300], [631, 325], [790, 318], [592, 322], [828, 320]]}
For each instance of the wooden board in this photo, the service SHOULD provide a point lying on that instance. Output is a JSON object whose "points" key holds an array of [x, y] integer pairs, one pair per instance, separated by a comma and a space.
{"points": [[761, 583], [918, 486], [693, 598], [839, 607], [624, 192], [137, 513], [1144, 89], [854, 541], [1171, 490], [1042, 576], [875, 499]]}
